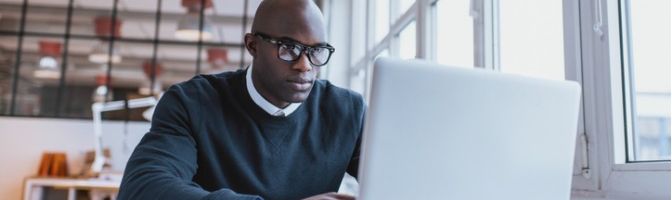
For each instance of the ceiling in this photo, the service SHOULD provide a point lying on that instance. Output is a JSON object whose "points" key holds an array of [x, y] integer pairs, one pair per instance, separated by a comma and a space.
{"points": [[138, 29]]}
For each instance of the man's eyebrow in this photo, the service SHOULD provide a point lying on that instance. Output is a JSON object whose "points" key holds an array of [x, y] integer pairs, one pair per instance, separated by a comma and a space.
{"points": [[289, 39]]}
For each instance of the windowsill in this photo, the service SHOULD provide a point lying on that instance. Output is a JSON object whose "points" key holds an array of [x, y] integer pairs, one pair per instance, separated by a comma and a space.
{"points": [[643, 166]]}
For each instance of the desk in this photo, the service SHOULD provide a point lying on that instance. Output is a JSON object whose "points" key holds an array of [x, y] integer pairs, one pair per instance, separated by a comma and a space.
{"points": [[98, 188]]}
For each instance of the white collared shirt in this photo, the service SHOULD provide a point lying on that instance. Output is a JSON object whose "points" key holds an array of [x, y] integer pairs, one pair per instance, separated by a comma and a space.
{"points": [[263, 103]]}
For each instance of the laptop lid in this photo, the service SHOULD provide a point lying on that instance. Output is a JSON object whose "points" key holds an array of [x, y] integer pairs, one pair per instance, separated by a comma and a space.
{"points": [[439, 132]]}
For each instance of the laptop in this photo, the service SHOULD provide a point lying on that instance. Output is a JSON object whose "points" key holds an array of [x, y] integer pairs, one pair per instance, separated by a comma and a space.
{"points": [[440, 132]]}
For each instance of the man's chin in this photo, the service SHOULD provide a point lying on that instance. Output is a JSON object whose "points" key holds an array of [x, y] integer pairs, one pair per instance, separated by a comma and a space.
{"points": [[298, 97]]}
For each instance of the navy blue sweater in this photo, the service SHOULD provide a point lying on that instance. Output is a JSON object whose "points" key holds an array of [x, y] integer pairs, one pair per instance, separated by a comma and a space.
{"points": [[209, 140]]}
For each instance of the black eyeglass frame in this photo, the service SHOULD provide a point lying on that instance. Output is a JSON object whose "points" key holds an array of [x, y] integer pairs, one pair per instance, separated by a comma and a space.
{"points": [[304, 48]]}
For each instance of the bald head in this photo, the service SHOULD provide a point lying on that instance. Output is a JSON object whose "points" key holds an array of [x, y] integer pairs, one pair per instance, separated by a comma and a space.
{"points": [[292, 22], [290, 18]]}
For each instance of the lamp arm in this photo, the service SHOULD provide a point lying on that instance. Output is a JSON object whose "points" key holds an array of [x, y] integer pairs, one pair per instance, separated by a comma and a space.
{"points": [[100, 107]]}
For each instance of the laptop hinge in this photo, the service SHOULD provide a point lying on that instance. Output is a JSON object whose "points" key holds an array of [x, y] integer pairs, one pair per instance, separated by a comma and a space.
{"points": [[585, 165]]}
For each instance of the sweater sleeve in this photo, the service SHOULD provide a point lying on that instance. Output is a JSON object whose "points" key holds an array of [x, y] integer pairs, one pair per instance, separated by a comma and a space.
{"points": [[164, 162]]}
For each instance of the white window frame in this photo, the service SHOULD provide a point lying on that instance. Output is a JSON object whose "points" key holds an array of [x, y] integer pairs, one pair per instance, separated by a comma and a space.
{"points": [[601, 68], [591, 59], [398, 23]]}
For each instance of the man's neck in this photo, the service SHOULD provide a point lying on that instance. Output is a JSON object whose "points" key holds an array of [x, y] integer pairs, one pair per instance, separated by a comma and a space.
{"points": [[260, 97], [276, 102]]}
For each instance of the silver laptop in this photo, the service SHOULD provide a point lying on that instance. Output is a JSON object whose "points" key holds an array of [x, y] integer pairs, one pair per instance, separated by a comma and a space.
{"points": [[439, 132]]}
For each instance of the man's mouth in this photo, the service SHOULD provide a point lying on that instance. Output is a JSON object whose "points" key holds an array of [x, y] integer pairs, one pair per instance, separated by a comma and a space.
{"points": [[300, 84]]}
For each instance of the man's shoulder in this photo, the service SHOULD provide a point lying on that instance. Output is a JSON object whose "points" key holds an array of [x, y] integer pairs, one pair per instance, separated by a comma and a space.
{"points": [[208, 81], [331, 93], [327, 87]]}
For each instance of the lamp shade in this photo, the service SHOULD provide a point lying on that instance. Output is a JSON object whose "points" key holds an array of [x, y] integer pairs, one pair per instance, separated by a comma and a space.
{"points": [[106, 26], [147, 68], [195, 5], [218, 57], [49, 48], [49, 52], [102, 79], [48, 62]]}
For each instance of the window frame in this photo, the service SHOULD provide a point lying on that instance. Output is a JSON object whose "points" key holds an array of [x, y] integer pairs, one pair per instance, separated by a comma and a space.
{"points": [[591, 59], [595, 61]]}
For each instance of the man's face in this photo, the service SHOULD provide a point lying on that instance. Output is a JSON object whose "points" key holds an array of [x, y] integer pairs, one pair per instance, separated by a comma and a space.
{"points": [[279, 81], [282, 82], [289, 81]]}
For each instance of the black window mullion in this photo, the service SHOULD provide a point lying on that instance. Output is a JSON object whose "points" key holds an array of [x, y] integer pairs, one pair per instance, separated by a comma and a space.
{"points": [[157, 24], [244, 31], [112, 37], [201, 22], [17, 60], [64, 58]]}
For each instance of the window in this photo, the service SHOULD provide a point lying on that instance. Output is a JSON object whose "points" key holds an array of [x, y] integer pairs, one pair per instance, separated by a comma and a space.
{"points": [[358, 38], [382, 17], [7, 63], [57, 18], [531, 38], [454, 33], [618, 51], [625, 150], [646, 54], [407, 46], [52, 65], [404, 5]]}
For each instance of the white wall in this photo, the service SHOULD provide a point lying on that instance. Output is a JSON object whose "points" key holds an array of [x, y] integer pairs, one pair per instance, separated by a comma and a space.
{"points": [[23, 140]]}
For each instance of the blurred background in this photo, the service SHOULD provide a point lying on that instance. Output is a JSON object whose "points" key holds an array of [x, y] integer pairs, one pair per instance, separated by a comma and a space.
{"points": [[68, 53]]}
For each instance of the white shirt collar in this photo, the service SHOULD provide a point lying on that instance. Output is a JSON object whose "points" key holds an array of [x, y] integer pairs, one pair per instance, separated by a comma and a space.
{"points": [[263, 103]]}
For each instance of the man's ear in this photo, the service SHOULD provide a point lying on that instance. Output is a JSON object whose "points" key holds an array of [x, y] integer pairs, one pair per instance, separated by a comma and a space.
{"points": [[251, 44]]}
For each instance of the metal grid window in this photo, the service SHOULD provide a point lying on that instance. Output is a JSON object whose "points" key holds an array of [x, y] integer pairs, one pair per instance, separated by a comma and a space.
{"points": [[47, 48]]}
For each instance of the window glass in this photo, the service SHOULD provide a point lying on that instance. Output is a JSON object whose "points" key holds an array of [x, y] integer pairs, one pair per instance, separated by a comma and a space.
{"points": [[407, 42], [404, 5], [45, 16], [649, 67], [454, 33], [7, 61], [382, 19], [39, 76], [358, 38], [531, 38]]}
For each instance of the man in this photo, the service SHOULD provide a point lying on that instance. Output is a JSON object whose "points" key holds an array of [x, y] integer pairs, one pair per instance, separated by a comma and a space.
{"points": [[270, 132]]}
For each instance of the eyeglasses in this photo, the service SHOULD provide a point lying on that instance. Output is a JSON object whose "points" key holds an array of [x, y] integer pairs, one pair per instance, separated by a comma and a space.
{"points": [[291, 51]]}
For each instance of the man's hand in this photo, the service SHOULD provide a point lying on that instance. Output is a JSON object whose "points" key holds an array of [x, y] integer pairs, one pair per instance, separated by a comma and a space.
{"points": [[331, 196]]}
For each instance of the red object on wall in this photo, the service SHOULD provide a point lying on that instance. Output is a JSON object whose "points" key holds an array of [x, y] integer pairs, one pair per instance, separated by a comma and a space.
{"points": [[195, 5], [104, 26], [147, 67], [101, 79], [218, 56], [49, 48]]}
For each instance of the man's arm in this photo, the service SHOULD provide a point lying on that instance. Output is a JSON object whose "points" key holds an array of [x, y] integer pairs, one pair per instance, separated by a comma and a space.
{"points": [[353, 166], [163, 164], [360, 109]]}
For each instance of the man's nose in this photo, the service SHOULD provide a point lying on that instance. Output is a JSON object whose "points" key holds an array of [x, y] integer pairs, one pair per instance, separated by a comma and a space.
{"points": [[303, 64]]}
